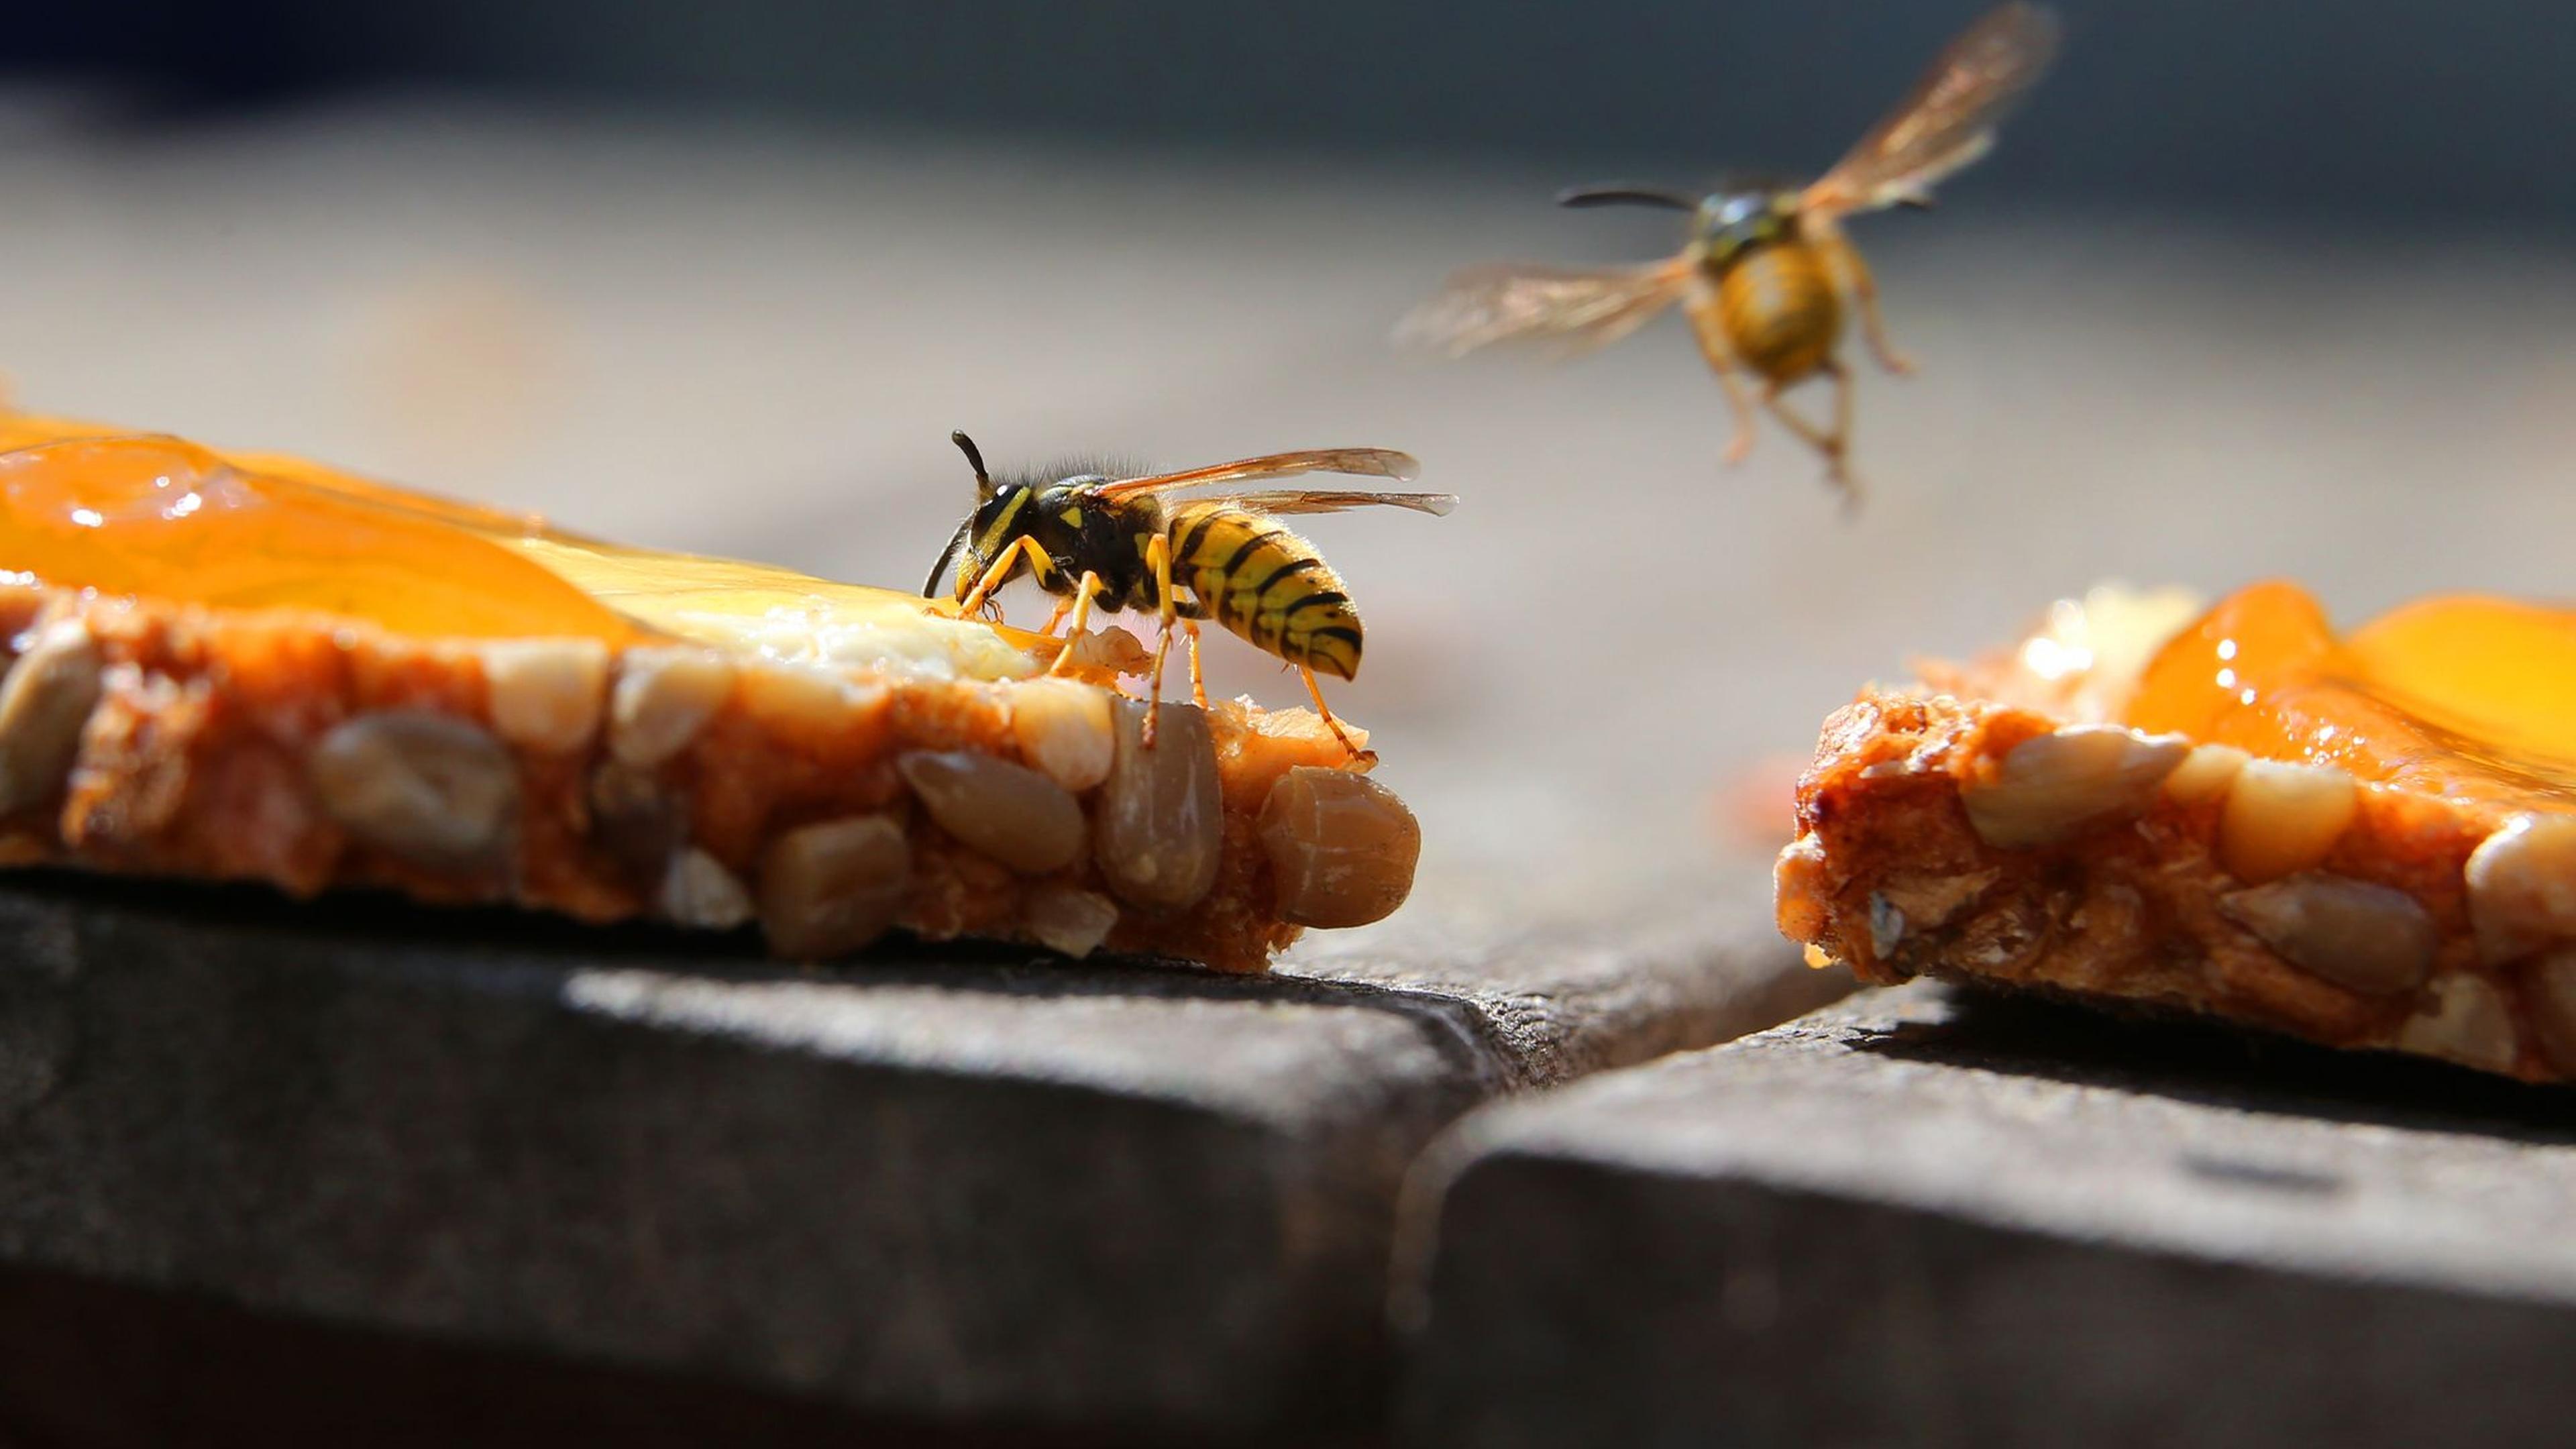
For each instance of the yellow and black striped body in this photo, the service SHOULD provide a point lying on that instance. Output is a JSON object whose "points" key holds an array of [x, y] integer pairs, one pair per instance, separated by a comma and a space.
{"points": [[1775, 294], [1265, 584]]}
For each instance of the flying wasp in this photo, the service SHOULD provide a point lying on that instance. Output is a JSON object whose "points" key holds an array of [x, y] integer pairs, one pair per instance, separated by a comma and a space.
{"points": [[1767, 275], [1127, 543]]}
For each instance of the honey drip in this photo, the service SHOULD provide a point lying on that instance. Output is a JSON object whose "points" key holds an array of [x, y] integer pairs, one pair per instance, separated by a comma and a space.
{"points": [[150, 516], [2459, 695]]}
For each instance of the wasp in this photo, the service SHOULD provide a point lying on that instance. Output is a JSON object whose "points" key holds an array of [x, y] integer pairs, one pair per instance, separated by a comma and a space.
{"points": [[1767, 275], [1128, 543]]}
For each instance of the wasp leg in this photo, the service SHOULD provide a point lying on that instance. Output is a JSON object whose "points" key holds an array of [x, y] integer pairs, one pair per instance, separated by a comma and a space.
{"points": [[1851, 274], [1841, 472], [1708, 324], [1000, 573], [1833, 443], [1152, 700], [1315, 692], [1081, 607], [1158, 557], [1061, 606], [1198, 681]]}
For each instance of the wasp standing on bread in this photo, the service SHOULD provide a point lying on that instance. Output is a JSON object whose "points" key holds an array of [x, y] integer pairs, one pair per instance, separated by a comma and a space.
{"points": [[1767, 274], [1126, 543]]}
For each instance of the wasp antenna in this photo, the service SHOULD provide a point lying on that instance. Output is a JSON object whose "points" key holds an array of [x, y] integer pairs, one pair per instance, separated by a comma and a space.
{"points": [[974, 459], [1624, 194], [948, 555]]}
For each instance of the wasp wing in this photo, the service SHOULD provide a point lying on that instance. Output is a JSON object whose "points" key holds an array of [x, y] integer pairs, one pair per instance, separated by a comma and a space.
{"points": [[1365, 462], [1948, 121], [1319, 500], [1575, 310]]}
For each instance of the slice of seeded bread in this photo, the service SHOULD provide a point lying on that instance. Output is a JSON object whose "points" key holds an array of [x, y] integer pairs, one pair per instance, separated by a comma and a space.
{"points": [[2025, 845], [679, 782]]}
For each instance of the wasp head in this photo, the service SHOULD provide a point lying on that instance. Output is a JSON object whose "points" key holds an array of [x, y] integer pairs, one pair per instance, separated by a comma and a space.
{"points": [[985, 531], [1745, 213]]}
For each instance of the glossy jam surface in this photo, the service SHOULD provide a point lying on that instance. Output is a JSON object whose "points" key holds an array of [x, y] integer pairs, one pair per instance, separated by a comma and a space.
{"points": [[2458, 695], [159, 517], [162, 518]]}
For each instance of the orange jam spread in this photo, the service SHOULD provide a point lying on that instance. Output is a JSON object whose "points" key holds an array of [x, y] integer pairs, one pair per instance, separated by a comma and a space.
{"points": [[83, 506], [2461, 695]]}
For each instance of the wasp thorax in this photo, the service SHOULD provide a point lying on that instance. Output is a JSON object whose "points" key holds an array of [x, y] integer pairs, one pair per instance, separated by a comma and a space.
{"points": [[1733, 222]]}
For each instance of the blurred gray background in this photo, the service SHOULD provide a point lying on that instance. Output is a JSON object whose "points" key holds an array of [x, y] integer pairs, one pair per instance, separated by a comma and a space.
{"points": [[2379, 112], [2393, 112], [2247, 288]]}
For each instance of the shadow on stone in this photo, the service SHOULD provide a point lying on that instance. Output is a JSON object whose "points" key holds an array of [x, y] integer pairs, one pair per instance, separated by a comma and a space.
{"points": [[102, 1365], [2192, 1060], [505, 947]]}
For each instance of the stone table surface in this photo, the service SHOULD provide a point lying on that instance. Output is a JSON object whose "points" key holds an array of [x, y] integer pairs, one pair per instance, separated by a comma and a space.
{"points": [[938, 1186], [957, 1186], [1922, 1217]]}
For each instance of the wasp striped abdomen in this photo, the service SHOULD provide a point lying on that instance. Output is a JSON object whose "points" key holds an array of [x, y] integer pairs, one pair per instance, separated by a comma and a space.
{"points": [[1265, 585], [1781, 311]]}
